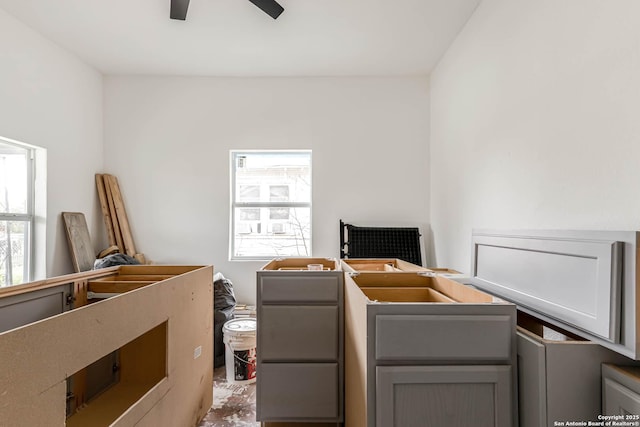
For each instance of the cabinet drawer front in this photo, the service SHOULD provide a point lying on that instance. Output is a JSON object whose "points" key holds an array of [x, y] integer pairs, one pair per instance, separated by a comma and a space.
{"points": [[443, 337], [299, 287], [298, 391], [298, 333]]}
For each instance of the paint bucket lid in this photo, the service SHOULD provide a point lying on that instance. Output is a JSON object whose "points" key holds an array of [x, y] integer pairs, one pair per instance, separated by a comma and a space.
{"points": [[240, 325]]}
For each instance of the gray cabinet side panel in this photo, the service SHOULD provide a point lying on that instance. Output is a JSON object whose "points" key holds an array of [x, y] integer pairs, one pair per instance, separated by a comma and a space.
{"points": [[298, 392], [574, 380], [443, 337], [436, 396], [299, 333], [532, 383]]}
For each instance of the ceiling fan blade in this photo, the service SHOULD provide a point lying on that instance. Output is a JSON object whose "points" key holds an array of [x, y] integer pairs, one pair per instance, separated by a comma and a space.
{"points": [[270, 7], [179, 9]]}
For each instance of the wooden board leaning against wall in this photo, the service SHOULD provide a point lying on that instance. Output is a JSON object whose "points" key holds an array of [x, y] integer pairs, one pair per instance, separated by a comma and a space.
{"points": [[115, 216]]}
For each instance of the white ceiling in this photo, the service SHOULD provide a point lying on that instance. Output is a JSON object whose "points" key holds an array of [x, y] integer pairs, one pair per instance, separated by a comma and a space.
{"points": [[235, 38]]}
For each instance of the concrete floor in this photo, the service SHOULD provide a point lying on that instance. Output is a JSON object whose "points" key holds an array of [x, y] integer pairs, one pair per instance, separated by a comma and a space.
{"points": [[234, 405]]}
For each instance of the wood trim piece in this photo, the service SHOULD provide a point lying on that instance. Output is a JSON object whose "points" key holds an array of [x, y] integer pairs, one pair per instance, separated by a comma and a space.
{"points": [[128, 270], [123, 221], [116, 287], [104, 206], [135, 277], [55, 281], [113, 214]]}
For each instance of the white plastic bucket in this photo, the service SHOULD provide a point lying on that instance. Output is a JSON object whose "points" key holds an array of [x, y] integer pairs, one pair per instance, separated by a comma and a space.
{"points": [[240, 350]]}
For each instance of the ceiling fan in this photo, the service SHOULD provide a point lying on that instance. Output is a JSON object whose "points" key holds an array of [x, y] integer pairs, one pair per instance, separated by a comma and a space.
{"points": [[270, 7]]}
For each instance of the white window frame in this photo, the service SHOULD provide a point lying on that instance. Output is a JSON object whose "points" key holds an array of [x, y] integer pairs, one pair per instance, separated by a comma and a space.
{"points": [[234, 154], [27, 217]]}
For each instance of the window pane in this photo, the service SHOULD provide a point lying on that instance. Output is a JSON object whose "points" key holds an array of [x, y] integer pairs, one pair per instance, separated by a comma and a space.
{"points": [[13, 179], [13, 252], [279, 193], [249, 214], [290, 237], [249, 193], [282, 175], [278, 213]]}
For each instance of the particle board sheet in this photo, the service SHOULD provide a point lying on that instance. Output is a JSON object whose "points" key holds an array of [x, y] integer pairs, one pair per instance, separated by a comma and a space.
{"points": [[355, 355], [572, 278], [78, 337]]}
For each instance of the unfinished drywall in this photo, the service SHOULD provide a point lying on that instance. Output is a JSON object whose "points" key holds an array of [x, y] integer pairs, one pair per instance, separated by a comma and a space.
{"points": [[534, 112], [168, 141], [52, 100]]}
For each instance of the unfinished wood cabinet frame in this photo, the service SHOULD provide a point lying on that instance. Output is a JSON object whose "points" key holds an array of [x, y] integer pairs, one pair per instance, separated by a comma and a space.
{"points": [[38, 357], [378, 264]]}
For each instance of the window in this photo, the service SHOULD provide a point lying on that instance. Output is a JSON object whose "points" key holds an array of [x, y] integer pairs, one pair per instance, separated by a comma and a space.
{"points": [[16, 212], [270, 204]]}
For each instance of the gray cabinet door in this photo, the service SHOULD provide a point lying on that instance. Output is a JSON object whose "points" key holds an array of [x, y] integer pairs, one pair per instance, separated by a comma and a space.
{"points": [[532, 383], [619, 400], [436, 396]]}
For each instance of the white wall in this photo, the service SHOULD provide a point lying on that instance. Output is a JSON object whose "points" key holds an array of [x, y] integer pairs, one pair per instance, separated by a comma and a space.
{"points": [[50, 99], [168, 142], [535, 122]]}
